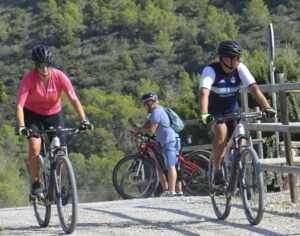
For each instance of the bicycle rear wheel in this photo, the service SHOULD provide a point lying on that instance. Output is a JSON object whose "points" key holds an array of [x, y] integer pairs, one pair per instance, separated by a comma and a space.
{"points": [[66, 197], [203, 152], [220, 200], [194, 174], [41, 207], [252, 186], [135, 176]]}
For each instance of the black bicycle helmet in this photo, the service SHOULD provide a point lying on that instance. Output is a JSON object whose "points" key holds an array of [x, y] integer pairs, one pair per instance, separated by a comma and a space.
{"points": [[229, 48], [42, 54], [149, 97]]}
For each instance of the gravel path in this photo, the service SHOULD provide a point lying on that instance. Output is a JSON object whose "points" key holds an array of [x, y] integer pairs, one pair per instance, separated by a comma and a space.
{"points": [[159, 216]]}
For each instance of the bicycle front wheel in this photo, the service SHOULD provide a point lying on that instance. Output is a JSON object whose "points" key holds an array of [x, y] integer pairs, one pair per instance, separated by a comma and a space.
{"points": [[135, 176], [194, 174], [66, 195], [220, 200], [41, 207], [252, 186]]}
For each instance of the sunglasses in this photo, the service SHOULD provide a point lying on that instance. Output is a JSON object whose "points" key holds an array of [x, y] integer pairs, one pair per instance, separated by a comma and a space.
{"points": [[237, 58], [42, 65]]}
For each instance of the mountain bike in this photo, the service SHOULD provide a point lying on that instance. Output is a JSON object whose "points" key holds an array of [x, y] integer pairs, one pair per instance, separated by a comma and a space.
{"points": [[136, 176], [57, 180], [243, 174]]}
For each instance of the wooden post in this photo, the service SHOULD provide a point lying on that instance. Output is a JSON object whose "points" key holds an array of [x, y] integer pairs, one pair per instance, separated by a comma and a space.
{"points": [[244, 101], [287, 138]]}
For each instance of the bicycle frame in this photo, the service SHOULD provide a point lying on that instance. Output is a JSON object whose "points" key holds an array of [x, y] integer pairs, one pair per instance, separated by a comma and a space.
{"points": [[152, 150], [235, 144], [50, 153], [58, 181]]}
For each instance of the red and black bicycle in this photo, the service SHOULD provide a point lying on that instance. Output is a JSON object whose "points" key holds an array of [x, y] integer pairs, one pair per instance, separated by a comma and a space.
{"points": [[136, 176]]}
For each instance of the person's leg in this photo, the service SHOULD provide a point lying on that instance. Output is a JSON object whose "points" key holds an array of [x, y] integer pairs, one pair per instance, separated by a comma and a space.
{"points": [[170, 158], [219, 144], [33, 157], [178, 187], [33, 121], [172, 175], [219, 149], [162, 178]]}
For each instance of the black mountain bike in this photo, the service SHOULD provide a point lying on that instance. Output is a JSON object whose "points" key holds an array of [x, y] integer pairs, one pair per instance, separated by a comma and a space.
{"points": [[57, 180], [245, 173]]}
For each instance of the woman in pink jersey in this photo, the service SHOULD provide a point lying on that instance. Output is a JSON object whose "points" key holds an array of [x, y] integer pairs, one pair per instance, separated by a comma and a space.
{"points": [[39, 106]]}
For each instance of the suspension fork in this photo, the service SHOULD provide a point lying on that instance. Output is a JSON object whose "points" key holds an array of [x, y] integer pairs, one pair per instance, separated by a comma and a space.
{"points": [[139, 167], [236, 165]]}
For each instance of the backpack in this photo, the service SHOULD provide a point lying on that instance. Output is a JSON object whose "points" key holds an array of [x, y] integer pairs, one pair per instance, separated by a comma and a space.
{"points": [[175, 121]]}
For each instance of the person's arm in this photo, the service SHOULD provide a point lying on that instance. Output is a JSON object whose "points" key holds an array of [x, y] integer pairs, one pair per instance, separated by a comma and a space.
{"points": [[20, 115], [203, 100], [207, 79], [259, 96], [78, 108], [71, 95], [148, 128]]}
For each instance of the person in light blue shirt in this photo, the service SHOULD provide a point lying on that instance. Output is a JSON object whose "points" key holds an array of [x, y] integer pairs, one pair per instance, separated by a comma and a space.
{"points": [[158, 123]]}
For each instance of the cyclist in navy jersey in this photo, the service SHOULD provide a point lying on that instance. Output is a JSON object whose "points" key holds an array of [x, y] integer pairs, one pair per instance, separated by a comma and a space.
{"points": [[219, 90]]}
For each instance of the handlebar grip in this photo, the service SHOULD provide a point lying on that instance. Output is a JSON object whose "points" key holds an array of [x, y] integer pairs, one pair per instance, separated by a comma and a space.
{"points": [[86, 127]]}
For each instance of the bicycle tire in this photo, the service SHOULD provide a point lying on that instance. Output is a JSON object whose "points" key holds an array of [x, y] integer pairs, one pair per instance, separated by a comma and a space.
{"points": [[66, 197], [130, 184], [195, 180], [42, 208], [203, 152], [252, 186], [220, 200]]}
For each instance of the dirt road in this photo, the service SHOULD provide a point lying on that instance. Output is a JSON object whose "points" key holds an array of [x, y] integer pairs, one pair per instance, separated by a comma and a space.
{"points": [[158, 216]]}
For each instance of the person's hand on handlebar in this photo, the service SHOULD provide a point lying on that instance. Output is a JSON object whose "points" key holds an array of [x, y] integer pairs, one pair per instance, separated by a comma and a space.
{"points": [[270, 112], [206, 118], [21, 131], [86, 125]]}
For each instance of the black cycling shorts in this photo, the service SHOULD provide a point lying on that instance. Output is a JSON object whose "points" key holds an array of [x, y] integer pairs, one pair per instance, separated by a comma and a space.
{"points": [[37, 122], [230, 124]]}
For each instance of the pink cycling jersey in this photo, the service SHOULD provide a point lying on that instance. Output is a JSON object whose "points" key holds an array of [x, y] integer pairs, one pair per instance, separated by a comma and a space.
{"points": [[34, 96]]}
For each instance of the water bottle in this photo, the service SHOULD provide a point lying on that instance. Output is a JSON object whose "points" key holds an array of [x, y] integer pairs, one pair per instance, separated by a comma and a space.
{"points": [[55, 143]]}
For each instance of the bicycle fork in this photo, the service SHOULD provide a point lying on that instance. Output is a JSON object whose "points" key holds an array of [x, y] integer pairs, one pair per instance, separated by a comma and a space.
{"points": [[139, 167], [235, 171]]}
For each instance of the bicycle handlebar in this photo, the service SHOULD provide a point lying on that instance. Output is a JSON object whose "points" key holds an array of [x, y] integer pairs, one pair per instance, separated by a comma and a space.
{"points": [[239, 116], [56, 131], [142, 135]]}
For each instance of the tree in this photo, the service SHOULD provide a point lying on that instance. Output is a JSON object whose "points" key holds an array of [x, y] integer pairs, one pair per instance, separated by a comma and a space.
{"points": [[67, 18], [219, 26], [109, 112], [146, 85], [255, 16]]}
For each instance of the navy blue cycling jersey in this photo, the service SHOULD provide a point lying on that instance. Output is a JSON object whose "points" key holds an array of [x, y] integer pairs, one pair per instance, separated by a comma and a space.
{"points": [[224, 87], [223, 97]]}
